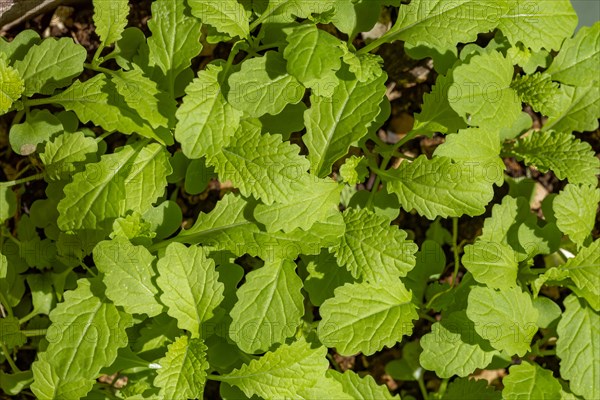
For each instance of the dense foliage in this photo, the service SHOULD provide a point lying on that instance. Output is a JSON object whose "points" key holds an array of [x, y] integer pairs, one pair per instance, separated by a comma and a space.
{"points": [[294, 263]]}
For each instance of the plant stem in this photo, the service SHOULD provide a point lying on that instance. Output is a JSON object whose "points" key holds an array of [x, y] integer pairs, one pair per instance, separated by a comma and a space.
{"points": [[87, 269], [215, 377], [11, 362], [455, 249], [7, 306], [423, 388], [35, 332], [26, 318], [22, 180]]}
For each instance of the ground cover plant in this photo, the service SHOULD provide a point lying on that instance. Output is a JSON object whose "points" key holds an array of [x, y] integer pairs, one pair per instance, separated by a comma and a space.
{"points": [[235, 223]]}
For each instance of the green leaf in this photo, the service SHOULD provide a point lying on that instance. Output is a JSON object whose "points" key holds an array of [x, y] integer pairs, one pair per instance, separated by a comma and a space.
{"points": [[11, 86], [110, 18], [51, 65], [262, 166], [430, 263], [578, 347], [227, 16], [269, 307], [539, 92], [290, 120], [454, 348], [13, 384], [584, 270], [206, 120], [74, 358], [548, 311], [310, 201], [575, 211], [507, 318], [191, 290], [529, 60], [228, 227], [439, 187], [313, 57], [263, 86], [482, 92], [131, 179], [175, 38], [183, 370], [491, 263], [64, 151], [11, 283], [142, 94], [530, 381], [365, 317], [335, 123], [8, 203], [361, 387], [444, 25], [10, 333], [281, 373], [580, 109], [128, 276], [365, 66], [97, 100], [39, 127], [324, 275], [408, 367], [354, 170], [471, 389], [17, 48], [576, 63], [436, 114], [477, 147], [538, 23], [372, 249], [560, 152]]}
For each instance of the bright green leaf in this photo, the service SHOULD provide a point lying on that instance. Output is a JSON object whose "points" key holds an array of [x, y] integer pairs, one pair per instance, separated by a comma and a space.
{"points": [[365, 317], [482, 93], [227, 16], [128, 276], [74, 358], [11, 86], [372, 249], [51, 65], [575, 210], [269, 307], [335, 123], [530, 381], [191, 290], [183, 370], [207, 121], [560, 152], [577, 62], [281, 373], [110, 18], [263, 86], [506, 318], [437, 187]]}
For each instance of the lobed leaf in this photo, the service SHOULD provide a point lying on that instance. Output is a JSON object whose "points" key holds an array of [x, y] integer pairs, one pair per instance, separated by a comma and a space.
{"points": [[282, 373], [438, 187], [183, 369], [269, 307], [365, 317], [578, 347], [190, 286], [372, 250], [335, 123]]}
